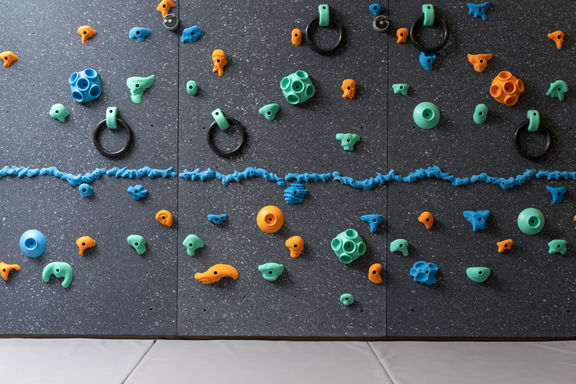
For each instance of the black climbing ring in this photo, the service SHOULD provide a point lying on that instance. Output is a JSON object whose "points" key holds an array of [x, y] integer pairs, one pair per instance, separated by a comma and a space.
{"points": [[521, 149], [96, 137], [421, 47], [214, 128], [311, 28]]}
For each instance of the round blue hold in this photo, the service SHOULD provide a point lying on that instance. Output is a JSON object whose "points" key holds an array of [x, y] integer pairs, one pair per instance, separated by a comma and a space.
{"points": [[32, 243], [85, 85], [85, 190]]}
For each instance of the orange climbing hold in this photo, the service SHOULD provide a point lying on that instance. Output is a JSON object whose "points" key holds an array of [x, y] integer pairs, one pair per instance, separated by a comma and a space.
{"points": [[402, 35], [86, 32], [480, 61], [296, 245], [270, 219], [505, 245], [296, 36], [165, 6], [165, 218], [374, 273], [219, 60], [427, 219], [84, 243], [349, 89], [558, 37], [217, 272], [506, 88], [5, 269], [8, 58]]}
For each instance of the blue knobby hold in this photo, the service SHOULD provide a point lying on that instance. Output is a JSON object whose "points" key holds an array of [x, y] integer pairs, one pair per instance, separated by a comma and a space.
{"points": [[217, 219], [85, 190], [557, 193], [295, 193], [477, 219], [85, 85], [478, 10], [139, 33], [424, 272], [137, 191], [375, 9], [427, 60], [374, 221], [191, 34]]}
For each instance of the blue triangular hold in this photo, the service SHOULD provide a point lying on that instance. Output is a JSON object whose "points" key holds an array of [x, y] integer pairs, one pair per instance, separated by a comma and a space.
{"points": [[477, 219], [373, 220], [557, 193]]}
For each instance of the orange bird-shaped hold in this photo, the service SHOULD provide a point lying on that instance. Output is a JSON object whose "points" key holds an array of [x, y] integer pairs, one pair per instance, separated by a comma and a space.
{"points": [[348, 89], [558, 38], [84, 243], [165, 6], [217, 272], [427, 219], [86, 32], [165, 218], [5, 269], [374, 273], [402, 35], [219, 60], [296, 245], [480, 61], [505, 245], [8, 58], [296, 36]]}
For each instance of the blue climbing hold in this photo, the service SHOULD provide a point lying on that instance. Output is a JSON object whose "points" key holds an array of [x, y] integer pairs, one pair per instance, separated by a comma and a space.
{"points": [[85, 85], [191, 34], [32, 243], [477, 219], [139, 33], [137, 191], [295, 193], [217, 219], [373, 220], [424, 273], [427, 60], [375, 9], [85, 190], [557, 193], [478, 10]]}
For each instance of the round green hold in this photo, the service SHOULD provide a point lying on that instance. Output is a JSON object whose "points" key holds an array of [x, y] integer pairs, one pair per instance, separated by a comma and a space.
{"points": [[531, 221], [478, 274], [111, 116], [426, 115], [480, 113], [192, 243], [271, 271], [348, 246], [192, 87], [399, 245], [269, 111], [138, 243], [347, 299], [59, 112]]}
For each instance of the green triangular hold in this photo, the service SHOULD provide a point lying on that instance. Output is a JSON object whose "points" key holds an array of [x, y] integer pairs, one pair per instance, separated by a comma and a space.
{"points": [[269, 111], [137, 86]]}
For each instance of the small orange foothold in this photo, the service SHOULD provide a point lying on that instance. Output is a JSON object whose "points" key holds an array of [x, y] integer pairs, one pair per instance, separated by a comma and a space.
{"points": [[402, 35], [374, 273], [86, 32], [349, 89], [165, 6], [296, 245], [84, 243], [219, 60], [575, 221], [8, 58], [5, 269], [506, 88], [296, 36], [427, 219], [505, 245], [270, 219], [217, 272], [558, 37], [480, 61], [165, 218]]}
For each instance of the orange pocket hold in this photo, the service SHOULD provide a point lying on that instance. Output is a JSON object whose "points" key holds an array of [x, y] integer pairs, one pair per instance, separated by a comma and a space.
{"points": [[349, 89], [165, 218], [296, 245], [8, 58], [506, 88], [219, 60], [427, 219], [480, 61], [505, 245], [374, 273], [86, 32], [270, 219], [84, 243], [217, 272], [402, 35], [558, 37], [5, 269], [165, 6], [296, 36]]}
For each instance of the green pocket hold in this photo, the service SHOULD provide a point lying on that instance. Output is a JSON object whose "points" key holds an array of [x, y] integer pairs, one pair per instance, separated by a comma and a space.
{"points": [[347, 299], [348, 140], [478, 274], [192, 87], [138, 243], [557, 246], [271, 271], [480, 113], [137, 86], [399, 245], [192, 243], [269, 111], [59, 112], [401, 89]]}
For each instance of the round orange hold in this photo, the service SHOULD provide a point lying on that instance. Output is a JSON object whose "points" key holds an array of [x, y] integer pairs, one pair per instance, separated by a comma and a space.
{"points": [[270, 219], [506, 88]]}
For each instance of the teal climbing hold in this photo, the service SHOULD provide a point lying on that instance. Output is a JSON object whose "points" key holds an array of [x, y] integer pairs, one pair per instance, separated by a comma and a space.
{"points": [[137, 86], [347, 299], [220, 119], [348, 246], [192, 243], [557, 246], [478, 274], [399, 245], [269, 111], [348, 140], [60, 270], [426, 115], [480, 113], [534, 120], [138, 243], [271, 271], [531, 221], [297, 87], [401, 89], [428, 11], [111, 116], [557, 89], [59, 112], [192, 87], [324, 15]]}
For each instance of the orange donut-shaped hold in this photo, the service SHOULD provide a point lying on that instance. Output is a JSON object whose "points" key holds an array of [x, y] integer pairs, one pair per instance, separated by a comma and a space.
{"points": [[505, 245], [296, 245], [270, 219], [374, 273], [427, 219], [402, 35], [84, 243], [5, 269], [296, 36], [8, 58], [506, 88], [216, 272], [558, 38], [165, 218]]}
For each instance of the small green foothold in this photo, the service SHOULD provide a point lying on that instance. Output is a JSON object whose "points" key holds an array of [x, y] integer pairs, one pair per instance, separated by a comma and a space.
{"points": [[269, 111], [399, 245], [192, 243], [111, 116], [192, 88], [347, 299], [59, 112], [534, 117], [59, 270], [480, 113], [557, 89], [220, 119], [137, 86], [428, 11], [138, 243], [478, 274], [557, 246], [531, 221], [426, 115], [401, 89], [348, 140], [271, 271], [323, 15]]}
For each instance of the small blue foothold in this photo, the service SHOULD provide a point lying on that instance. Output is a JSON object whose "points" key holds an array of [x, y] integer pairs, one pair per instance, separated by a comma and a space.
{"points": [[217, 219], [85, 190], [295, 193], [373, 220], [427, 60], [424, 273], [557, 193], [375, 9], [139, 33], [478, 10], [477, 219], [191, 34], [137, 191]]}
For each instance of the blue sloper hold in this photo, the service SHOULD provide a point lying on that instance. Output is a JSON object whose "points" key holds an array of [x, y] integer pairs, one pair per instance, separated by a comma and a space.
{"points": [[85, 190], [191, 34], [477, 219], [478, 10], [557, 193], [295, 193], [375, 9], [217, 219], [139, 33], [427, 60], [373, 220], [137, 191], [424, 273]]}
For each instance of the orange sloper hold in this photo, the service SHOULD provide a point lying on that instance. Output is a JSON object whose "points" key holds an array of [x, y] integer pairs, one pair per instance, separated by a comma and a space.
{"points": [[84, 243], [165, 218], [374, 273], [505, 245], [480, 61], [402, 35], [296, 245], [8, 58], [86, 32], [219, 60], [217, 272], [165, 6], [558, 37], [506, 88], [427, 219], [5, 269], [296, 36]]}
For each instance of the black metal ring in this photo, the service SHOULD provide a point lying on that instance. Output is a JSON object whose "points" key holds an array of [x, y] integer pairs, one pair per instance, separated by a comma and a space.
{"points": [[214, 128], [96, 137], [310, 40], [421, 47], [521, 149]]}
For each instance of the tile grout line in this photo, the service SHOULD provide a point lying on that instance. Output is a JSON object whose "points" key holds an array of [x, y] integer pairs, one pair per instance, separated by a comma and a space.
{"points": [[387, 187], [139, 361], [380, 362], [178, 179]]}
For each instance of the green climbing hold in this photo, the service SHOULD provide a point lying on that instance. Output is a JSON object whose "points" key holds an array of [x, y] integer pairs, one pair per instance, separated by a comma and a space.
{"points": [[59, 112], [401, 89], [269, 111], [534, 118], [324, 15], [220, 119], [557, 246], [192, 243], [137, 86], [138, 243], [348, 140], [557, 89], [297, 87], [399, 245], [111, 116], [192, 88], [60, 270], [426, 115], [480, 113], [348, 246], [478, 274], [271, 271], [347, 299], [531, 221], [428, 11]]}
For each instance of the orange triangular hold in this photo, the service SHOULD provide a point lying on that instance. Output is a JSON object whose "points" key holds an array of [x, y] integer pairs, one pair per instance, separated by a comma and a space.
{"points": [[480, 61], [558, 37], [165, 6]]}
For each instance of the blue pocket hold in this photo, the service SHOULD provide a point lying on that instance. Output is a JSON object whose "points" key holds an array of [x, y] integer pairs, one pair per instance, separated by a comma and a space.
{"points": [[85, 190], [217, 219], [85, 85], [477, 219], [557, 193], [424, 273], [373, 220]]}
